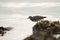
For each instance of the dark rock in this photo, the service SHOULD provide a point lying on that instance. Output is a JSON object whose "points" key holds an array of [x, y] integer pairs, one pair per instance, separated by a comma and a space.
{"points": [[44, 30], [4, 29]]}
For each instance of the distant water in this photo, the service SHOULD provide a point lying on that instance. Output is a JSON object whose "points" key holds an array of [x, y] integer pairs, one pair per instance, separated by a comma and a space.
{"points": [[22, 27]]}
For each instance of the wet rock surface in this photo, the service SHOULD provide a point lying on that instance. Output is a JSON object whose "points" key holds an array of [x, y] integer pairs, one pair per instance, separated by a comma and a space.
{"points": [[44, 30]]}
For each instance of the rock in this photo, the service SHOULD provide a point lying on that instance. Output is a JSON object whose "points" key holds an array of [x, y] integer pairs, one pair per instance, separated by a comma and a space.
{"points": [[44, 30]]}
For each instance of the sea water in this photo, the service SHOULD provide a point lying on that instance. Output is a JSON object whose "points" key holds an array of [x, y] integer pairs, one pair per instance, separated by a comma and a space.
{"points": [[13, 14]]}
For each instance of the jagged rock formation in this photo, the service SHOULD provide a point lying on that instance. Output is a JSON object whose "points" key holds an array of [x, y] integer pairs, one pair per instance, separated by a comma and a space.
{"points": [[4, 29], [44, 30]]}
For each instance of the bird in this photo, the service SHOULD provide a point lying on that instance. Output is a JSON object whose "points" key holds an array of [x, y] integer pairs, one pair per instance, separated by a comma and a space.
{"points": [[36, 18]]}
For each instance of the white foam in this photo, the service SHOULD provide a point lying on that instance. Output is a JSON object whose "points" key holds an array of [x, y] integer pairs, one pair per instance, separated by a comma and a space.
{"points": [[22, 26]]}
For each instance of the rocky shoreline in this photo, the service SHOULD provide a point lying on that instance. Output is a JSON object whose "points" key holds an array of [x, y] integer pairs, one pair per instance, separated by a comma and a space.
{"points": [[44, 30]]}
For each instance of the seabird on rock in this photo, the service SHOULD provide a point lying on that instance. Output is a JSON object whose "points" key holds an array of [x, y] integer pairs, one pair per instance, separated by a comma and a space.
{"points": [[36, 18]]}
